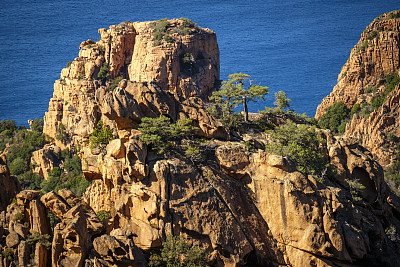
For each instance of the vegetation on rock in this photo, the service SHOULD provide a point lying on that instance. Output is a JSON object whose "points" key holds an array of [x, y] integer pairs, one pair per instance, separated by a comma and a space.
{"points": [[160, 132], [178, 252], [61, 133], [103, 215], [334, 116], [115, 83], [231, 94], [302, 144], [36, 237], [21, 144], [355, 188], [162, 30], [103, 72], [100, 136], [282, 102]]}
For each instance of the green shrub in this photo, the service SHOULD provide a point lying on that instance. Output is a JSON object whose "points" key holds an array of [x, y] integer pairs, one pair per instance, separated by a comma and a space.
{"points": [[392, 80], [355, 188], [103, 72], [193, 152], [18, 217], [61, 133], [100, 136], [355, 109], [281, 102], [159, 30], [370, 89], [36, 237], [362, 47], [35, 140], [103, 215], [168, 38], [188, 62], [37, 125], [342, 127], [178, 252], [334, 116], [391, 137], [115, 83], [8, 253], [8, 125], [18, 166], [30, 180], [159, 132], [372, 35], [300, 143], [69, 64], [73, 165], [394, 15]]}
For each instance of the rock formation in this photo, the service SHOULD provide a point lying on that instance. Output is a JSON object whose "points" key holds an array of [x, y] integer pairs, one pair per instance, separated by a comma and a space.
{"points": [[9, 186], [379, 131], [376, 55], [362, 80], [243, 206], [156, 77]]}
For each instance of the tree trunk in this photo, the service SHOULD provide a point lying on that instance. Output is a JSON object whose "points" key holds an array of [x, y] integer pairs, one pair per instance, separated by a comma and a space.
{"points": [[246, 112]]}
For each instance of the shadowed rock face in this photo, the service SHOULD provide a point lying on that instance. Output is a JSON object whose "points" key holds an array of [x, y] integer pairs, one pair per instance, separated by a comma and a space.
{"points": [[9, 186]]}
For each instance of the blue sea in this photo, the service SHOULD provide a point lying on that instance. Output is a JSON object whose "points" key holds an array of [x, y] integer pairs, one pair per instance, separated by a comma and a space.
{"points": [[296, 46]]}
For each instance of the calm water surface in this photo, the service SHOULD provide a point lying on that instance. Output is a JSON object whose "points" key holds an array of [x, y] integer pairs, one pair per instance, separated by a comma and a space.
{"points": [[294, 46]]}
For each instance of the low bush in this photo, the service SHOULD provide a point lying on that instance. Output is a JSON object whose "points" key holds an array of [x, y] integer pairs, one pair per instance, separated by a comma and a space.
{"points": [[355, 189], [334, 116], [362, 47], [176, 251], [115, 83], [302, 144], [61, 133], [37, 125], [103, 72], [100, 136], [8, 253], [103, 215], [372, 35], [160, 132], [36, 237]]}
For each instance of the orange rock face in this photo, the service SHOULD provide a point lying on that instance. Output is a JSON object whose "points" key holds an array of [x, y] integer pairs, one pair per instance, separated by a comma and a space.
{"points": [[375, 55], [187, 66]]}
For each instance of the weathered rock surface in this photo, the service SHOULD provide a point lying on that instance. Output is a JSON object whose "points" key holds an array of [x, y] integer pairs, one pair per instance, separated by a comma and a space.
{"points": [[9, 186], [244, 207], [374, 131], [156, 81], [375, 55], [44, 160]]}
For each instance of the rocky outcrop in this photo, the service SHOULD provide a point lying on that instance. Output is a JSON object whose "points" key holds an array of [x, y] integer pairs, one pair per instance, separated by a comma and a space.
{"points": [[376, 55], [380, 131], [315, 224], [241, 204], [9, 185], [23, 220], [44, 160], [158, 81]]}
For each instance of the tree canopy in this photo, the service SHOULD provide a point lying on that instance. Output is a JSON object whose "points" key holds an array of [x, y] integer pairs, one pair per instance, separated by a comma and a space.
{"points": [[233, 92]]}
